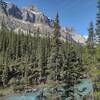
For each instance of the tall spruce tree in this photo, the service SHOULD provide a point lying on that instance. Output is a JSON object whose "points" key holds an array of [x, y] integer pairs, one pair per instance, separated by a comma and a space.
{"points": [[91, 38], [98, 22], [73, 71], [42, 63], [54, 61]]}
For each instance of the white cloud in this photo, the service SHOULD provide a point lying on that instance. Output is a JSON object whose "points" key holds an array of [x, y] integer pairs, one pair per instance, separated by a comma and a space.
{"points": [[85, 36]]}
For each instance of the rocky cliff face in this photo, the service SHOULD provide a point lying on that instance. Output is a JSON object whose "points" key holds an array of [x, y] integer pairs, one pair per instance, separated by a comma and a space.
{"points": [[30, 14], [29, 19], [10, 9]]}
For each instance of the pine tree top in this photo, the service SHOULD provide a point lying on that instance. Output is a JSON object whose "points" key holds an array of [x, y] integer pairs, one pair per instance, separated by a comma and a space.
{"points": [[98, 1]]}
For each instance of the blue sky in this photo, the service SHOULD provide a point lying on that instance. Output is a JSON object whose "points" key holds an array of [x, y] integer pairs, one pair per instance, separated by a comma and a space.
{"points": [[72, 13]]}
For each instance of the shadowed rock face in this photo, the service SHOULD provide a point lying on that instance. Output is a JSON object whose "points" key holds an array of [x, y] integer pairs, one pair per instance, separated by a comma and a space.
{"points": [[28, 16], [14, 11], [29, 19], [3, 6], [10, 9]]}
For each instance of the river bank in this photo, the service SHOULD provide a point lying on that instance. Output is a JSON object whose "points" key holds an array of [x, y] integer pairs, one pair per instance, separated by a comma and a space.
{"points": [[83, 89]]}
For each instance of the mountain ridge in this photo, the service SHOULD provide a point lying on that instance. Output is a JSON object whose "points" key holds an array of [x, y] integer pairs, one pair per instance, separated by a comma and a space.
{"points": [[30, 19]]}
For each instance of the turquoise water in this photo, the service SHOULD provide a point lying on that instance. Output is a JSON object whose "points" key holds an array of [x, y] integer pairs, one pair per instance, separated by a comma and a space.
{"points": [[82, 89], [22, 98], [30, 96]]}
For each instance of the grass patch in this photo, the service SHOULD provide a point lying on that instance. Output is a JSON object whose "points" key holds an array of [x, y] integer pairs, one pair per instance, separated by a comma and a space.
{"points": [[6, 91]]}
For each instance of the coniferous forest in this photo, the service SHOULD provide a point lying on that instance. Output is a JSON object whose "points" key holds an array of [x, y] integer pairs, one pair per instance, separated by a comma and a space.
{"points": [[42, 62]]}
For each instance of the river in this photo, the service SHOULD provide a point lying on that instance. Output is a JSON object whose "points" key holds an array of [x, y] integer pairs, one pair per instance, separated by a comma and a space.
{"points": [[82, 89]]}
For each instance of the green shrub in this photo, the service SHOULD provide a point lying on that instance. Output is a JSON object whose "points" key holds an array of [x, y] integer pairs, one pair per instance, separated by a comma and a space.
{"points": [[18, 88]]}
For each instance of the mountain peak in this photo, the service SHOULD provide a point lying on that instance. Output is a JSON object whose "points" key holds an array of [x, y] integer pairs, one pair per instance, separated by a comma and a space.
{"points": [[32, 8]]}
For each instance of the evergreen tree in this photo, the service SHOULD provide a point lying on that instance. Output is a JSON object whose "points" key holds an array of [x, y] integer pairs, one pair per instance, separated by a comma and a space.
{"points": [[73, 72], [5, 76], [91, 39], [98, 22], [37, 47], [18, 47], [54, 61], [42, 63], [98, 53]]}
